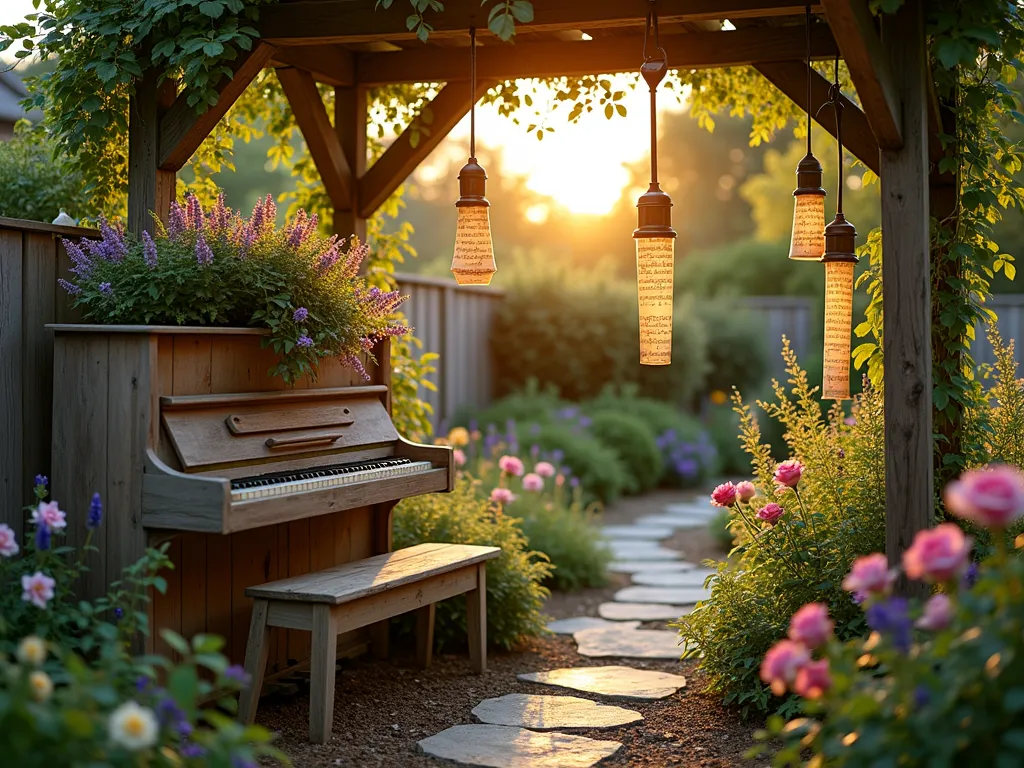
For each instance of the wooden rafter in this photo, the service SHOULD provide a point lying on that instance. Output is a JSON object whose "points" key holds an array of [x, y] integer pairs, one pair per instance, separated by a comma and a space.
{"points": [[182, 130], [321, 138], [401, 158], [861, 48], [698, 50], [331, 64], [318, 21], [790, 77]]}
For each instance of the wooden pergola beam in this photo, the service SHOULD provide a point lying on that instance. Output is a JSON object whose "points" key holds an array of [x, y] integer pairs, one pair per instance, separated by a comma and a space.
{"points": [[321, 138], [182, 130], [319, 21], [331, 64], [698, 50], [790, 77], [861, 47], [401, 158]]}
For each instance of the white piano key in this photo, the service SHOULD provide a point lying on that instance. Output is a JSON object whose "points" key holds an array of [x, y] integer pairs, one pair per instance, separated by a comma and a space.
{"points": [[331, 481]]}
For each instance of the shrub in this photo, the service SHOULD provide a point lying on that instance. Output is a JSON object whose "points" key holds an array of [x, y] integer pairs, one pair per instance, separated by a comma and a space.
{"points": [[32, 185], [597, 467], [720, 530], [530, 404], [515, 594], [737, 350], [634, 444], [215, 268]]}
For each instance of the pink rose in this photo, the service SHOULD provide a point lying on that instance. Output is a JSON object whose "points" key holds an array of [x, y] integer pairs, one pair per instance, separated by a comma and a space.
{"points": [[770, 513], [545, 469], [533, 482], [811, 625], [781, 664], [788, 473], [38, 589], [560, 480], [937, 554], [8, 541], [813, 679], [502, 496], [512, 465], [460, 457], [938, 613], [724, 495], [746, 490], [868, 574], [992, 497], [48, 512]]}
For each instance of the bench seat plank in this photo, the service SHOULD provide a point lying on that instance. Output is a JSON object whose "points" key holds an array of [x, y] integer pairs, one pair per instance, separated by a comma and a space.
{"points": [[374, 575]]}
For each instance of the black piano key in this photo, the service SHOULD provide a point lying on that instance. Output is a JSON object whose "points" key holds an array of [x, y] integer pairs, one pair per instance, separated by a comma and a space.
{"points": [[335, 469]]}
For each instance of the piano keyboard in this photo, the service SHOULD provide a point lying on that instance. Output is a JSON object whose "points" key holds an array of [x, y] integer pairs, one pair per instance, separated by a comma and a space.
{"points": [[331, 476]]}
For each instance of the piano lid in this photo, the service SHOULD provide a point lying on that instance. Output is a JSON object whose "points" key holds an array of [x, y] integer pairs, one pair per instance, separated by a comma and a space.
{"points": [[217, 431]]}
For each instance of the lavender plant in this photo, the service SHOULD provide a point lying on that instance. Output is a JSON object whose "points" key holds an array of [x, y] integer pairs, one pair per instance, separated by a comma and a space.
{"points": [[216, 268]]}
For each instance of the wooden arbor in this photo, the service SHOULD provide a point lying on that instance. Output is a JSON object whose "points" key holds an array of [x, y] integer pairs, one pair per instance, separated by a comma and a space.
{"points": [[352, 46]]}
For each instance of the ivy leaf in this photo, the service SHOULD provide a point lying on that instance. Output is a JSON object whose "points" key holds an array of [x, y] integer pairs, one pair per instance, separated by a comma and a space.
{"points": [[212, 8], [503, 26], [523, 11], [213, 49]]}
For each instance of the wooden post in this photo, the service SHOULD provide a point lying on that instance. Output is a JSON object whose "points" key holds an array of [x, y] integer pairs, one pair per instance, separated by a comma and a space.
{"points": [[350, 123], [150, 188], [907, 294]]}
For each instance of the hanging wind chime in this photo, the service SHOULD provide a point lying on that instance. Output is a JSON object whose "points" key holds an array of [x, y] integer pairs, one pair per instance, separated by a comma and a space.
{"points": [[473, 260], [655, 238], [809, 209], [839, 260]]}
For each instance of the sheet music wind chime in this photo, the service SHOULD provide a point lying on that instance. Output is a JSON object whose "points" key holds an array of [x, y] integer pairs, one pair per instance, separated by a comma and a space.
{"points": [[473, 260], [839, 260], [655, 238], [808, 244]]}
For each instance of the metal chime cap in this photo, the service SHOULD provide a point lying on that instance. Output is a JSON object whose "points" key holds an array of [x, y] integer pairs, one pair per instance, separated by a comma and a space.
{"points": [[809, 177], [840, 241], [472, 185], [654, 214]]}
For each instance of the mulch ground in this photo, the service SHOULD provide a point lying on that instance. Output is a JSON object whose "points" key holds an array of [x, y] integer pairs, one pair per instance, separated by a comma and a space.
{"points": [[383, 708]]}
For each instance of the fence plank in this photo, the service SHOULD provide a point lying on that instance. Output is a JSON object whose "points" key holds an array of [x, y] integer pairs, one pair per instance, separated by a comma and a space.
{"points": [[11, 388]]}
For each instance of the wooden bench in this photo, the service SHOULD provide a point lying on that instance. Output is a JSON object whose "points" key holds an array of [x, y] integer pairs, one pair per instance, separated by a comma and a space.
{"points": [[354, 595]]}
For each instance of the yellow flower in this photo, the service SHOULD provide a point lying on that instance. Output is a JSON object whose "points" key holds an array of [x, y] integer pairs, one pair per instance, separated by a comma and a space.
{"points": [[440, 441], [459, 436], [133, 727], [32, 650], [718, 397], [41, 685]]}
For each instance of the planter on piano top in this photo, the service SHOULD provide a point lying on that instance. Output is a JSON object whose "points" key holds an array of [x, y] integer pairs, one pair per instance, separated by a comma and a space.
{"points": [[171, 425]]}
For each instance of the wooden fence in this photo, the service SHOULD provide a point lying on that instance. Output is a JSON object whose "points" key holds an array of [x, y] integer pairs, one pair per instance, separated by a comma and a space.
{"points": [[1009, 307]]}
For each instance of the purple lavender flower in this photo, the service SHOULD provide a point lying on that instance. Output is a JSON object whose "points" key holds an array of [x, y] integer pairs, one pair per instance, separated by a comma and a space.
{"points": [[204, 255], [353, 362], [141, 683], [119, 613], [148, 250], [534, 451], [574, 482], [557, 455], [922, 696], [193, 213], [95, 513], [970, 576], [474, 426], [79, 258], [304, 341], [890, 617], [42, 537], [176, 221], [112, 242], [192, 751], [237, 673], [71, 288], [106, 289], [300, 314], [354, 260], [42, 480]]}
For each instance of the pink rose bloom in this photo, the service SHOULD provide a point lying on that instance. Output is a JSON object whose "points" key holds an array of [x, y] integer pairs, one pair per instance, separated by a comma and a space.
{"points": [[724, 495], [850, 421], [460, 457], [48, 512], [813, 679], [38, 589], [560, 480], [8, 541], [512, 465], [781, 664], [545, 469], [992, 497], [788, 473], [868, 574], [502, 496], [770, 513], [937, 554], [533, 482], [811, 625], [746, 490], [938, 613]]}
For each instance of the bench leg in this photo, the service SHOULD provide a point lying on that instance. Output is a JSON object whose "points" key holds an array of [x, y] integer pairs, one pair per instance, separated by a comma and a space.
{"points": [[255, 662], [321, 673], [476, 621], [425, 635]]}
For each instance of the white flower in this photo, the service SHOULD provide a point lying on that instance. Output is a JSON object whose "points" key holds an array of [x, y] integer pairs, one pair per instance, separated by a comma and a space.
{"points": [[50, 513], [8, 541], [32, 650], [41, 685], [133, 727], [38, 589]]}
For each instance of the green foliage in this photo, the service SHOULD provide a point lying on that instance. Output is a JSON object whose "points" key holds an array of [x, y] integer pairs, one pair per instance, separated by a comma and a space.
{"points": [[35, 186], [530, 404], [633, 442], [515, 595], [720, 530], [737, 350], [995, 425], [568, 536], [837, 516], [596, 466]]}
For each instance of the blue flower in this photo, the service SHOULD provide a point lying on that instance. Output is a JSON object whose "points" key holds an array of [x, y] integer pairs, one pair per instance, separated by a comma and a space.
{"points": [[42, 481], [890, 617], [204, 255], [119, 613], [106, 289], [304, 341], [574, 482], [95, 513], [584, 421], [300, 314], [169, 712], [237, 673], [557, 455], [970, 576], [473, 426], [42, 537], [922, 696], [141, 683], [534, 451], [241, 762], [192, 751], [148, 250]]}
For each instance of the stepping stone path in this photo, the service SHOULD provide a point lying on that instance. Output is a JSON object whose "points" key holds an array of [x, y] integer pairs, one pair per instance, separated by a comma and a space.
{"points": [[527, 730], [552, 713]]}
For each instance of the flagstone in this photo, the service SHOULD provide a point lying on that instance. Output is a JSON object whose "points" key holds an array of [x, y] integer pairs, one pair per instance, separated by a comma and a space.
{"points": [[641, 550], [693, 578], [642, 532], [575, 624], [626, 640], [642, 611], [614, 682], [676, 522], [552, 713], [664, 595], [663, 566], [498, 746], [705, 510]]}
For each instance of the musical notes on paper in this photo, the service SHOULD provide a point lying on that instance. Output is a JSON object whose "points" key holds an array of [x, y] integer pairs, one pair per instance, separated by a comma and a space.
{"points": [[808, 227], [473, 261], [654, 271], [838, 321]]}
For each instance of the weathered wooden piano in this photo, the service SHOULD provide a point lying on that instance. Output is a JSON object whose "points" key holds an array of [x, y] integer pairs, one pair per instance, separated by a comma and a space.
{"points": [[189, 440]]}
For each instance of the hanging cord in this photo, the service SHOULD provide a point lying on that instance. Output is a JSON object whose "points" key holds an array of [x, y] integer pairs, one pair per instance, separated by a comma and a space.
{"points": [[835, 100], [654, 68], [810, 73], [472, 92]]}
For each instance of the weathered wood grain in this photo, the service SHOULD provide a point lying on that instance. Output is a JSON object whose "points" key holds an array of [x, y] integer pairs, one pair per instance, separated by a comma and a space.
{"points": [[11, 384]]}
